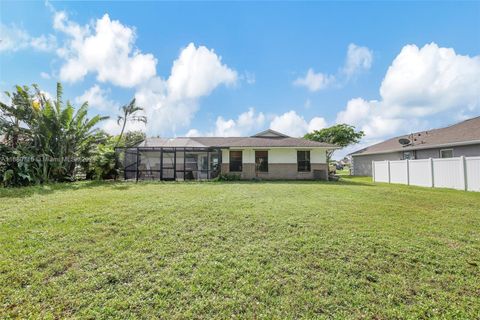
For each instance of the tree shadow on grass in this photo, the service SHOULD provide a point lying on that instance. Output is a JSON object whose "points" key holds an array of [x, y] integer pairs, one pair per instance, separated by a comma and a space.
{"points": [[345, 181], [341, 182], [25, 192]]}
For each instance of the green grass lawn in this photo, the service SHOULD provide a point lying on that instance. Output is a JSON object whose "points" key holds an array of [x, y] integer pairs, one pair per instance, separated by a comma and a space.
{"points": [[344, 172], [349, 249]]}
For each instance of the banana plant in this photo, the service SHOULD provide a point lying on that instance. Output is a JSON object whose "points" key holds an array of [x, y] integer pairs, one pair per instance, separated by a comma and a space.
{"points": [[53, 131]]}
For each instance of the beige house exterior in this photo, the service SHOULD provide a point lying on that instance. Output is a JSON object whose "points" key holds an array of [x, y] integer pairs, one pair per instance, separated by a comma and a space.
{"points": [[268, 155], [282, 163]]}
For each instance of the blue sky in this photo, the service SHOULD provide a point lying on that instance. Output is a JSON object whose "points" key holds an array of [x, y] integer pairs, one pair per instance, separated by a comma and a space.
{"points": [[244, 67]]}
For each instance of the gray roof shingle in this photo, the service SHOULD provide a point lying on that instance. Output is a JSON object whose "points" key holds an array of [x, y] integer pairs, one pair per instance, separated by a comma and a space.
{"points": [[232, 142], [171, 143], [262, 142]]}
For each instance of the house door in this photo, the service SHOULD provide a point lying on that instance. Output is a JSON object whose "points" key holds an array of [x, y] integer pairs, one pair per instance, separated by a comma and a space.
{"points": [[168, 165]]}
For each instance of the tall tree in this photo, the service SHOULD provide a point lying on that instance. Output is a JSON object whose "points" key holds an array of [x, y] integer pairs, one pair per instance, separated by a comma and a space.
{"points": [[129, 114], [341, 135]]}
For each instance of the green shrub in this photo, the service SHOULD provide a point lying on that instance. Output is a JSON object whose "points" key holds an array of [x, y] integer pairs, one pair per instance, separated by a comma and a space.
{"points": [[228, 177], [103, 161]]}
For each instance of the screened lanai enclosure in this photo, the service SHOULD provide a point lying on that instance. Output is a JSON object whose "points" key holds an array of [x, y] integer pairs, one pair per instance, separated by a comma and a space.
{"points": [[168, 163]]}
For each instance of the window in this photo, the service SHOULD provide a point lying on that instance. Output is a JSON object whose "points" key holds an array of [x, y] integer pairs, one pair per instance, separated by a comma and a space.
{"points": [[235, 161], [408, 155], [303, 161], [446, 153], [261, 161]]}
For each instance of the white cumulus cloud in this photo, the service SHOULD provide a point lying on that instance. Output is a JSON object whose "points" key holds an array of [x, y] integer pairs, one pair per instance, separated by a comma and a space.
{"points": [[197, 72], [251, 122], [172, 103], [106, 49], [420, 83], [113, 127], [97, 98], [193, 133], [292, 124], [13, 38], [358, 59], [246, 123], [314, 81], [431, 79], [367, 116], [316, 123]]}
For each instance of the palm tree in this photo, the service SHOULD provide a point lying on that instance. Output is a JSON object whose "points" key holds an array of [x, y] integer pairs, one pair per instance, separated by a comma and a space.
{"points": [[128, 115]]}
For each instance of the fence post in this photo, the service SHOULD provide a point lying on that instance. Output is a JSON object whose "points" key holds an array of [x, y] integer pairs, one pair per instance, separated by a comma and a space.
{"points": [[388, 170], [124, 164], [408, 172], [373, 170], [432, 175], [463, 167], [136, 167]]}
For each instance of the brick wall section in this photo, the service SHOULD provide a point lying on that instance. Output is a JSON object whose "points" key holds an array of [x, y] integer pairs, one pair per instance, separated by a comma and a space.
{"points": [[279, 171], [248, 170], [224, 168]]}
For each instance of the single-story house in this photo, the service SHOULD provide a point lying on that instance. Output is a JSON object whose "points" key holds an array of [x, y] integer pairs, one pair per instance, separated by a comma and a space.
{"points": [[461, 139], [266, 155]]}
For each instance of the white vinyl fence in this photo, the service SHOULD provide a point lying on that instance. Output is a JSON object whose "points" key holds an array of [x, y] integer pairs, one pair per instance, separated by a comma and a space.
{"points": [[461, 173]]}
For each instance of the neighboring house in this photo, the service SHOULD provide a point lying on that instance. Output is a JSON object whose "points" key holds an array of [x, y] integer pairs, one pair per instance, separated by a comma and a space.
{"points": [[267, 155], [345, 162], [461, 139]]}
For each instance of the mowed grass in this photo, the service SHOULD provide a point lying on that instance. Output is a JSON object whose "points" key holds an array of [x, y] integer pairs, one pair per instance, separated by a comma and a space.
{"points": [[349, 249], [344, 172]]}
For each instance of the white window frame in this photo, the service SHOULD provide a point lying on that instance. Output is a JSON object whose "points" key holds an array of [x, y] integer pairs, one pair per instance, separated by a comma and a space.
{"points": [[441, 153]]}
